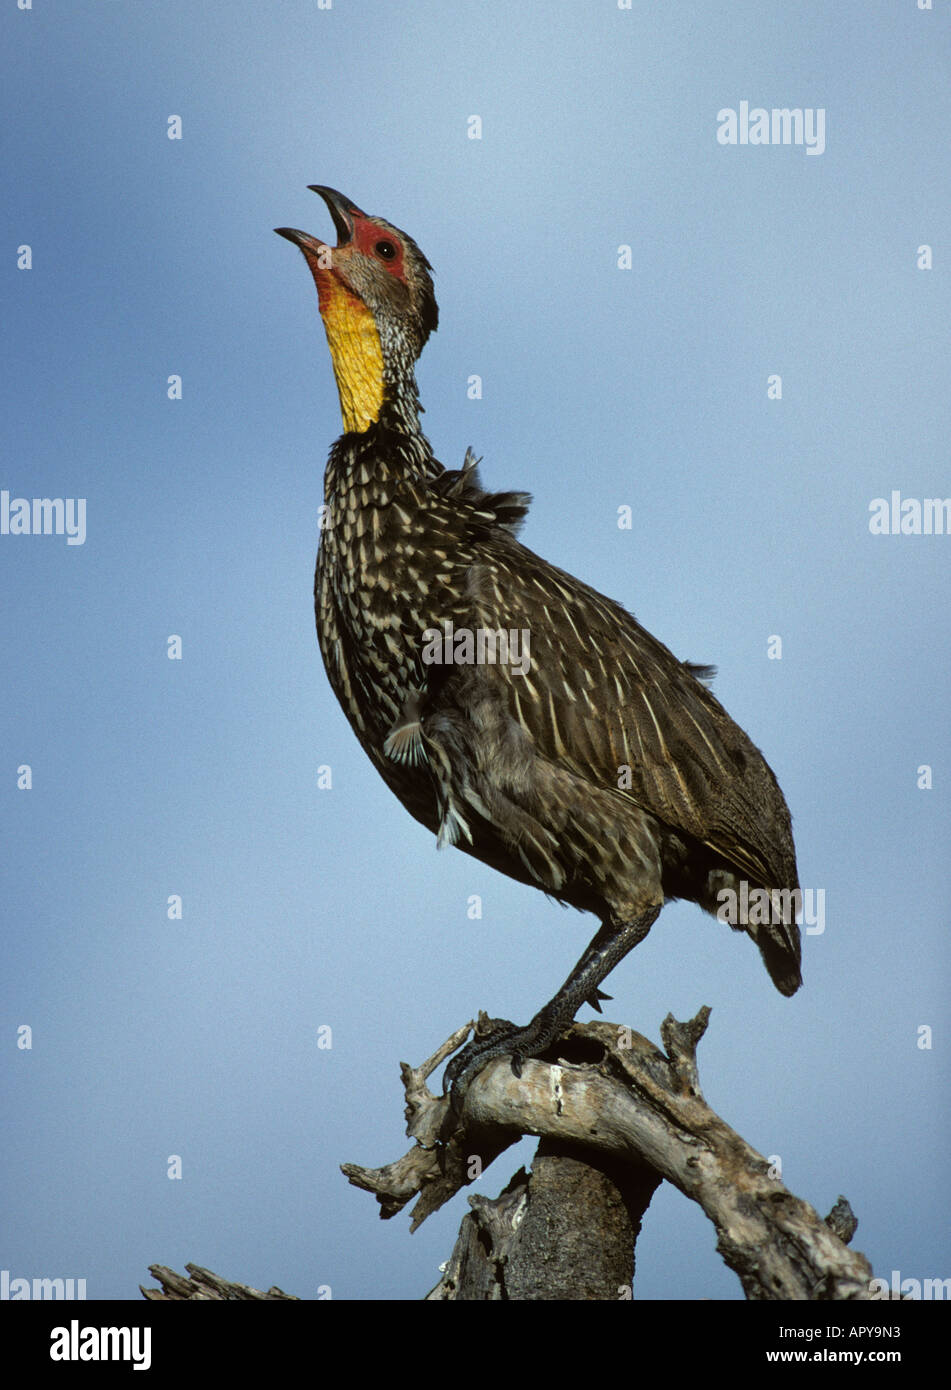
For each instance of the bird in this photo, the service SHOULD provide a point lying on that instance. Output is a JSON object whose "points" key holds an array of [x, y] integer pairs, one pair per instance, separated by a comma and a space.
{"points": [[515, 711]]}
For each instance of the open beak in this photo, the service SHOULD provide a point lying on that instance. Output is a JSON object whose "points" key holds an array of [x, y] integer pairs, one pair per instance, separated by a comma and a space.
{"points": [[308, 244], [342, 210]]}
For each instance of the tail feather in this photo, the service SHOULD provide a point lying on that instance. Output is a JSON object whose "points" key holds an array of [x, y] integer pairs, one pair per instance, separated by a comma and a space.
{"points": [[780, 946]]}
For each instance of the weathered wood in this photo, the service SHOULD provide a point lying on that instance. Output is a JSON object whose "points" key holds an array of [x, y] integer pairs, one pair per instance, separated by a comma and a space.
{"points": [[205, 1287], [615, 1116], [565, 1231], [610, 1095]]}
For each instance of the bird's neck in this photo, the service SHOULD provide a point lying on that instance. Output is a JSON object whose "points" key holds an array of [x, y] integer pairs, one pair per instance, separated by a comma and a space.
{"points": [[401, 409], [392, 447], [356, 353], [374, 368]]}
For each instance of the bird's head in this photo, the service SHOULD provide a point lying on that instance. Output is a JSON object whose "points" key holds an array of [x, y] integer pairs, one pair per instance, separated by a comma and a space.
{"points": [[377, 303]]}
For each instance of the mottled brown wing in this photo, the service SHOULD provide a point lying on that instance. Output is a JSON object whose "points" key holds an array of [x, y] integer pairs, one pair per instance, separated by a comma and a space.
{"points": [[603, 696]]}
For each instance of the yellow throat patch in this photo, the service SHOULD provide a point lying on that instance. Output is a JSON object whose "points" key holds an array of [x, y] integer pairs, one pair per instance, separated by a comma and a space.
{"points": [[356, 354]]}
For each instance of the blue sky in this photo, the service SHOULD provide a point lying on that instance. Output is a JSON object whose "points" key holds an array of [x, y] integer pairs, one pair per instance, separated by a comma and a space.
{"points": [[602, 387]]}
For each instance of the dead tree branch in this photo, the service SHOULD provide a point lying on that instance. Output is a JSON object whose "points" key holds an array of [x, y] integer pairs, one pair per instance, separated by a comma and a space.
{"points": [[613, 1102], [205, 1287]]}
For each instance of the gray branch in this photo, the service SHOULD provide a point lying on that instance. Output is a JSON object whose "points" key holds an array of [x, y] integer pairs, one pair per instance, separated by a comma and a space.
{"points": [[622, 1115], [614, 1116], [205, 1287]]}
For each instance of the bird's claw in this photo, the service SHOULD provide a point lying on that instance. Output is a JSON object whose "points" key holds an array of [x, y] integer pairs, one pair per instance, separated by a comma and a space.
{"points": [[476, 1054], [503, 1039]]}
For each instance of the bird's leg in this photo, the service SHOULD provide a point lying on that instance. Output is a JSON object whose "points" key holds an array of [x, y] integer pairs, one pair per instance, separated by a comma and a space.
{"points": [[609, 946]]}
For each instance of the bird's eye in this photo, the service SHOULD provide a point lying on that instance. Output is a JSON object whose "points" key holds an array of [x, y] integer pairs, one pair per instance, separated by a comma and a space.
{"points": [[385, 249]]}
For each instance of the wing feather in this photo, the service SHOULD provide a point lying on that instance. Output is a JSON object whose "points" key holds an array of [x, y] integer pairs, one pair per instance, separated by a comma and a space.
{"points": [[690, 765]]}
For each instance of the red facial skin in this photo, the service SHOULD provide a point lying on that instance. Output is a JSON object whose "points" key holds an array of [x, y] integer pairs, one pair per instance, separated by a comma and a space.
{"points": [[367, 237]]}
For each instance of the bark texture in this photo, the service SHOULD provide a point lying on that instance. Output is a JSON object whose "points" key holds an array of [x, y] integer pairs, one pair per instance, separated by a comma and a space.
{"points": [[615, 1116], [607, 1103]]}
